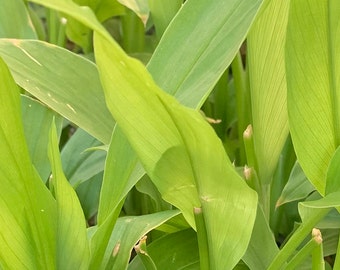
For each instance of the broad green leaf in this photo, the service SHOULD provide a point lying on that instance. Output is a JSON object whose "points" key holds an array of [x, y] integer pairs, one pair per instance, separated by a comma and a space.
{"points": [[27, 208], [174, 144], [193, 53], [268, 86], [298, 187], [174, 251], [122, 171], [162, 13], [15, 21], [333, 173], [80, 164], [72, 90], [71, 243], [140, 7], [37, 120], [126, 233], [312, 66]]}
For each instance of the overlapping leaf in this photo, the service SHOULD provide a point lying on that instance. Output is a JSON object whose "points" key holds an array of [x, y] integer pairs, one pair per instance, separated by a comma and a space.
{"points": [[122, 171], [27, 208], [173, 251], [67, 83], [37, 120], [72, 247], [180, 152], [312, 66], [194, 53]]}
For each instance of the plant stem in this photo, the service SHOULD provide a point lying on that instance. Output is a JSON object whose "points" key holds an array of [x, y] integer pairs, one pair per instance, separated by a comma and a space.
{"points": [[61, 33], [296, 239], [318, 262], [53, 25], [202, 239]]}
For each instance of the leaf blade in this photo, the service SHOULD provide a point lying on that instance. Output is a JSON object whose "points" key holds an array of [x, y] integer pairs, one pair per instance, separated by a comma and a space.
{"points": [[72, 244], [164, 134], [25, 201], [313, 86]]}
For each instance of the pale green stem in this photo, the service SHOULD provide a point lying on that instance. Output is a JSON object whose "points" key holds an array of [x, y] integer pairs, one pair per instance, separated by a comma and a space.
{"points": [[202, 239], [53, 26], [61, 33], [318, 262]]}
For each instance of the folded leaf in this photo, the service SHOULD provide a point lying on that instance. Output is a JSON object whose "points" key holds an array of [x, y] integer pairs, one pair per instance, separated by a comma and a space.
{"points": [[180, 152]]}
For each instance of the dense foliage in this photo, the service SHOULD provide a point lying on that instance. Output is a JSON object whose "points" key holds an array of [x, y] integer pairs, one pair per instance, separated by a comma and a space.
{"points": [[156, 134]]}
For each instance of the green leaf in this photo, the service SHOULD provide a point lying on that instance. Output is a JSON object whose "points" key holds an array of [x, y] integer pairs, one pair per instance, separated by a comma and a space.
{"points": [[268, 86], [173, 251], [262, 247], [140, 7], [298, 187], [127, 232], [41, 69], [311, 213], [80, 164], [72, 244], [194, 53], [81, 34], [162, 12], [333, 173], [313, 85], [107, 8], [122, 171], [88, 193], [37, 120], [15, 21], [174, 144], [27, 213]]}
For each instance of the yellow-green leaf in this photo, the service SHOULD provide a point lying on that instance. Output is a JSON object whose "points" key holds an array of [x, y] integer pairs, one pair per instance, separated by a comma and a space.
{"points": [[72, 247], [312, 66]]}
